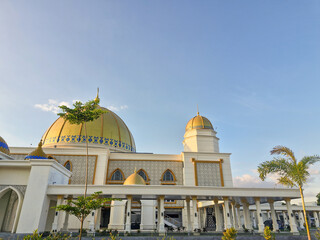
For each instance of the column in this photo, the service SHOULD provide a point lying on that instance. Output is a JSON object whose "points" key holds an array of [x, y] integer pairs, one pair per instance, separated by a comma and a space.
{"points": [[117, 214], [273, 215], [57, 215], [301, 220], [91, 224], [238, 226], [233, 211], [161, 215], [128, 215], [148, 214], [195, 213], [246, 215], [226, 213], [292, 219], [217, 215], [259, 215], [188, 215], [316, 219], [285, 218]]}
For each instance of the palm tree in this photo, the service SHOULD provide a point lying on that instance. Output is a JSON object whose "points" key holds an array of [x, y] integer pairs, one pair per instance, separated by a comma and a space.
{"points": [[292, 173], [81, 114]]}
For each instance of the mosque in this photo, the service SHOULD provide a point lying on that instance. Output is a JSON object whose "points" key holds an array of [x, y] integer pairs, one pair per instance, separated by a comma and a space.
{"points": [[189, 191]]}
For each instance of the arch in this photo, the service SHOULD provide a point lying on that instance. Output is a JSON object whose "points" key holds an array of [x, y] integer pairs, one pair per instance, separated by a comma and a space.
{"points": [[116, 177], [20, 201], [168, 177], [68, 165], [144, 175]]}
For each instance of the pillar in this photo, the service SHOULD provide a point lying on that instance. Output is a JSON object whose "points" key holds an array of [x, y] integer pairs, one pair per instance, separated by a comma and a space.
{"points": [[285, 218], [161, 215], [226, 213], [233, 211], [117, 214], [246, 215], [217, 215], [292, 219], [238, 226], [195, 213], [273, 215], [301, 220], [316, 219], [57, 215], [92, 222], [188, 215], [128, 214], [148, 214], [259, 215]]}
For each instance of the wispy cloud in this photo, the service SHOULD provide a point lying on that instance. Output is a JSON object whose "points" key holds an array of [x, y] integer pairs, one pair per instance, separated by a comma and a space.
{"points": [[117, 109], [248, 180], [52, 106]]}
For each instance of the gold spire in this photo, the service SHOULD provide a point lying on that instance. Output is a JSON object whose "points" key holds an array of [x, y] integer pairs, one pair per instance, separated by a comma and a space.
{"points": [[97, 99], [37, 153], [197, 110]]}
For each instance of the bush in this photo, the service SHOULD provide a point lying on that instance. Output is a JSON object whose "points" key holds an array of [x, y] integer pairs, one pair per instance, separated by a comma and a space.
{"points": [[267, 234], [37, 236], [229, 234], [317, 234]]}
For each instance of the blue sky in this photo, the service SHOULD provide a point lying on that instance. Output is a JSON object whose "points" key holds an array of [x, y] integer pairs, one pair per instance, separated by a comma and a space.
{"points": [[252, 66]]}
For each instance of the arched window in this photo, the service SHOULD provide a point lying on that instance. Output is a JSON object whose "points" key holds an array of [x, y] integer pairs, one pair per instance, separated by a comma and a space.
{"points": [[68, 165], [168, 177], [144, 175], [116, 177]]}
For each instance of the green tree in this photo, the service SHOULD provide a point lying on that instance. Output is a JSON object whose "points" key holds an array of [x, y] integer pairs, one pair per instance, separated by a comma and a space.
{"points": [[81, 114], [229, 234], [292, 173], [267, 234], [318, 199]]}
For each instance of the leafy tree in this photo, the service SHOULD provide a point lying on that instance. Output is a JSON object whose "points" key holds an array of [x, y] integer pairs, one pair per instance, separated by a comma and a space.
{"points": [[318, 199], [292, 173], [229, 234], [81, 114]]}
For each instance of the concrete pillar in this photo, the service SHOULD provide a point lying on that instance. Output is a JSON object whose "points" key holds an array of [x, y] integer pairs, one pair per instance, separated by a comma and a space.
{"points": [[273, 215], [292, 219], [97, 219], [217, 215], [253, 217], [233, 211], [259, 215], [238, 225], [285, 217], [55, 223], [246, 215], [161, 215], [316, 219], [195, 213], [227, 213], [92, 222], [128, 214], [148, 214], [188, 215], [301, 220], [117, 215]]}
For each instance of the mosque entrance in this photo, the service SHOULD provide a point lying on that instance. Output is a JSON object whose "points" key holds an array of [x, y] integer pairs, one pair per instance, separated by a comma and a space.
{"points": [[211, 220], [8, 203], [105, 217]]}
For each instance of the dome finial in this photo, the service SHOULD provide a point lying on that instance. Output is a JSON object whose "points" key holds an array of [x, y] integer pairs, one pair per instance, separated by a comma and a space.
{"points": [[37, 153], [97, 99], [135, 169], [197, 110]]}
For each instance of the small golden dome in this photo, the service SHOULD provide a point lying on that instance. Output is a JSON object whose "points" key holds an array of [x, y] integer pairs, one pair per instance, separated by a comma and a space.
{"points": [[199, 122], [4, 146], [38, 153], [134, 179]]}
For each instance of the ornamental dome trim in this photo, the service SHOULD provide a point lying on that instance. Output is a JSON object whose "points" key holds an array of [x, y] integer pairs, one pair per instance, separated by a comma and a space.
{"points": [[4, 146]]}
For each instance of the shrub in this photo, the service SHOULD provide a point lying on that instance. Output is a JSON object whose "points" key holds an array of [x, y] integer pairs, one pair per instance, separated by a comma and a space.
{"points": [[317, 234], [267, 234], [229, 234]]}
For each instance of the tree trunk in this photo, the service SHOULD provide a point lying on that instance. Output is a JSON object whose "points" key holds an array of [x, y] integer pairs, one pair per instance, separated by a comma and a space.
{"points": [[86, 179], [304, 213], [81, 226]]}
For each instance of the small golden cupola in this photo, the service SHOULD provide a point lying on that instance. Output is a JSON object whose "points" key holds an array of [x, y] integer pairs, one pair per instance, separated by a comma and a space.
{"points": [[134, 179], [4, 146], [199, 122], [38, 153]]}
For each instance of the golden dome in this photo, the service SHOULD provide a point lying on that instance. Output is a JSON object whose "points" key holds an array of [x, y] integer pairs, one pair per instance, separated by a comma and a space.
{"points": [[107, 131], [134, 179], [4, 146], [199, 122], [38, 153]]}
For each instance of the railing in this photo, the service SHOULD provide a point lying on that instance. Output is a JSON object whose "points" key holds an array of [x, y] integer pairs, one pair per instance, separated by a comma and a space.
{"points": [[173, 221]]}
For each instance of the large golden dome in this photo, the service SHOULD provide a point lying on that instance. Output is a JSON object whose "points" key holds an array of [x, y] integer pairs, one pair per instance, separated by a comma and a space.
{"points": [[199, 122], [107, 131]]}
